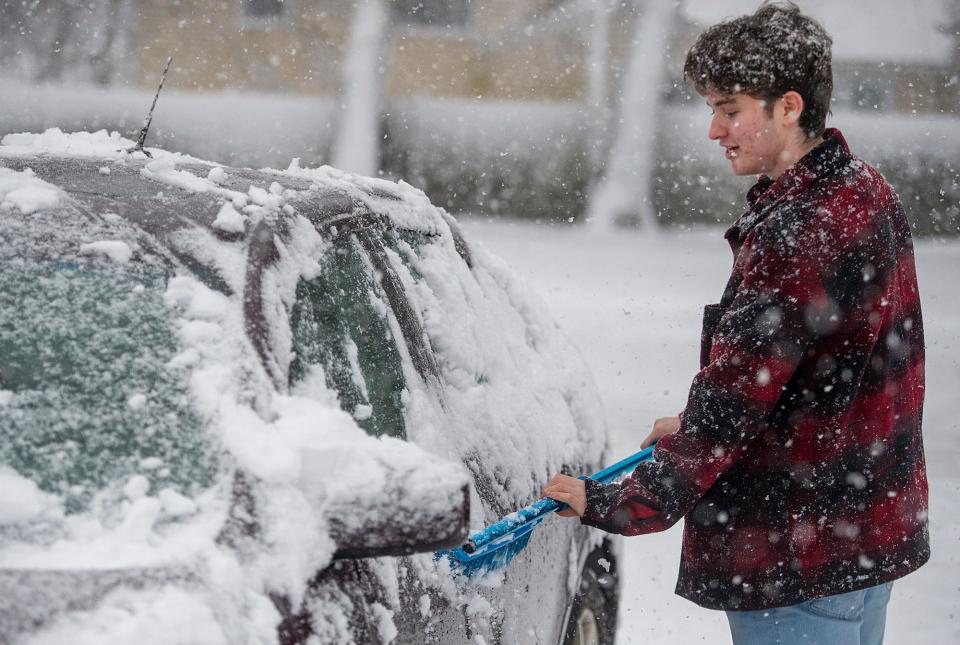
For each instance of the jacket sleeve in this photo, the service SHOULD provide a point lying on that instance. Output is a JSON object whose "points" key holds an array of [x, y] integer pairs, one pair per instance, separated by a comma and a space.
{"points": [[761, 338]]}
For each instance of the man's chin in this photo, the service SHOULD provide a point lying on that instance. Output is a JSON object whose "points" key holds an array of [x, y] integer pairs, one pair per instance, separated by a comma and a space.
{"points": [[741, 170]]}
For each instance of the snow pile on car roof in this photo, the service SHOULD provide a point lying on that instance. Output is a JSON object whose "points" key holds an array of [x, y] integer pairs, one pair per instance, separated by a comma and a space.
{"points": [[405, 206], [100, 144], [25, 191], [109, 146]]}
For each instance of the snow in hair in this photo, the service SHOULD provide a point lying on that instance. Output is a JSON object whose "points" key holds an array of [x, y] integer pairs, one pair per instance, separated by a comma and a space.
{"points": [[766, 54]]}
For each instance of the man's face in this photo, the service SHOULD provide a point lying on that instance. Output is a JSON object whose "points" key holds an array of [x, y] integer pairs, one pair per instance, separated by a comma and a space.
{"points": [[754, 140]]}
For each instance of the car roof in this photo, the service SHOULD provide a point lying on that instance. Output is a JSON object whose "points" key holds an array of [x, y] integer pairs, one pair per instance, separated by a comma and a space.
{"points": [[128, 187], [168, 192]]}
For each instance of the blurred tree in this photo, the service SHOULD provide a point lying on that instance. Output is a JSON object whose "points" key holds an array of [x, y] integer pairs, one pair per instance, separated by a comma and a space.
{"points": [[13, 24], [357, 144], [101, 62], [598, 79], [953, 28], [63, 14], [624, 192], [52, 40]]}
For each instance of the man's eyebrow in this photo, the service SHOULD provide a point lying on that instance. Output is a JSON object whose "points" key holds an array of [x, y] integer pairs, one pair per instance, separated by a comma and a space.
{"points": [[720, 102]]}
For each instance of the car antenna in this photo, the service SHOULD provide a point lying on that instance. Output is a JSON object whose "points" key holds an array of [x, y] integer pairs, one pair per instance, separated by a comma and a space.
{"points": [[149, 117]]}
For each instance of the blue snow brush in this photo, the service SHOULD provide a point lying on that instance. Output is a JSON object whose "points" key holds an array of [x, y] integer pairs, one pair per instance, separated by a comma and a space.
{"points": [[495, 546]]}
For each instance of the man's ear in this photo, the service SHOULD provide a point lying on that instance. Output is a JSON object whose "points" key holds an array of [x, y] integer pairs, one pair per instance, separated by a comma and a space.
{"points": [[792, 107]]}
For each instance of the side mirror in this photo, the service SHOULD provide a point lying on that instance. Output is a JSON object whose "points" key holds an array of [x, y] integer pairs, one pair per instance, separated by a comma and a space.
{"points": [[401, 522], [403, 518], [388, 497]]}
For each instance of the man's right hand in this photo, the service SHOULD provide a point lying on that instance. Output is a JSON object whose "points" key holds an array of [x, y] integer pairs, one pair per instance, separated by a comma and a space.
{"points": [[661, 427]]}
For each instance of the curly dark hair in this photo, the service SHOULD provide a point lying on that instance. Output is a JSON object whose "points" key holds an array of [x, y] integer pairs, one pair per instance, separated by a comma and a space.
{"points": [[765, 55]]}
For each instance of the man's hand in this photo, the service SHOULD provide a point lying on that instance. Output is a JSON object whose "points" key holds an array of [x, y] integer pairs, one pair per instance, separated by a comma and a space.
{"points": [[572, 491], [661, 427], [569, 490]]}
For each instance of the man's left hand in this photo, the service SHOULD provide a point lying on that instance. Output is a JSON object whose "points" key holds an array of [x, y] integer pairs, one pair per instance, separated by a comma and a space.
{"points": [[569, 490]]}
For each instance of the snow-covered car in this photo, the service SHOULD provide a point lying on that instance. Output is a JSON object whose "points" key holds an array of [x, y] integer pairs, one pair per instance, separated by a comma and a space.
{"points": [[242, 406]]}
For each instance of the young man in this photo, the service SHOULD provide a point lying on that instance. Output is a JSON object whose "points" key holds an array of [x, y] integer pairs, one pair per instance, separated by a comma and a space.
{"points": [[798, 463]]}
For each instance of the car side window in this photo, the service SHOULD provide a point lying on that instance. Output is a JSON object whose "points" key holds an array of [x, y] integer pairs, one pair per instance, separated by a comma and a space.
{"points": [[340, 324], [400, 241]]}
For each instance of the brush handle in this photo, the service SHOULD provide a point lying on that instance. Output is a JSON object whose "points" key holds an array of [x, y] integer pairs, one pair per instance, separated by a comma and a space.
{"points": [[534, 513], [610, 473]]}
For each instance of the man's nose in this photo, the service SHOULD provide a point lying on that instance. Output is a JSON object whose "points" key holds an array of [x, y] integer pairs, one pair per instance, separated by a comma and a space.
{"points": [[715, 131]]}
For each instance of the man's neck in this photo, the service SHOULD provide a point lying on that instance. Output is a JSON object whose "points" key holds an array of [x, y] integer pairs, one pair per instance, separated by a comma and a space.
{"points": [[793, 154]]}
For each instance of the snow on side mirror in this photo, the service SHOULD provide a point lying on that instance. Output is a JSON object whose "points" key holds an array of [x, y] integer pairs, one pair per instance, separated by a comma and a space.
{"points": [[390, 497], [400, 523]]}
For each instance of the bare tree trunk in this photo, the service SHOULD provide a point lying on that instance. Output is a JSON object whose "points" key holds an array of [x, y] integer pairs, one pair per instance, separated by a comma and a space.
{"points": [[626, 187], [953, 27], [598, 106], [13, 24], [101, 61], [357, 143], [52, 69]]}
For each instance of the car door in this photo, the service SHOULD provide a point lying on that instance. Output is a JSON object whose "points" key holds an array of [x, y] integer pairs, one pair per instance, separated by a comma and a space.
{"points": [[513, 412]]}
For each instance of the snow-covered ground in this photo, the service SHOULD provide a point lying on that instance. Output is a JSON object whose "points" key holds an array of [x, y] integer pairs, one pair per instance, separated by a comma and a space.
{"points": [[632, 303]]}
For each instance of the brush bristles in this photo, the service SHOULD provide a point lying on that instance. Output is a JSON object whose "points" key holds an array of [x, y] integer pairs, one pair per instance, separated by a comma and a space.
{"points": [[490, 560]]}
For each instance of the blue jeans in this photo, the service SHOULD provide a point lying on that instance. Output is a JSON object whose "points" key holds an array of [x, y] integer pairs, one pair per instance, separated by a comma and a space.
{"points": [[855, 618]]}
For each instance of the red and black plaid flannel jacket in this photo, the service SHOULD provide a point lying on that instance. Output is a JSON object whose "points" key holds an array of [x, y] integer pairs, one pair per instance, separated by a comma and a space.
{"points": [[799, 464]]}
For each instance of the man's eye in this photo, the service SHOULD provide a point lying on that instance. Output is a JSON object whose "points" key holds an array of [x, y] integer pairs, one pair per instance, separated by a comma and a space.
{"points": [[730, 115]]}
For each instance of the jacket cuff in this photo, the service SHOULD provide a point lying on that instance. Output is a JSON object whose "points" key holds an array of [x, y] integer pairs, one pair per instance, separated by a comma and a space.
{"points": [[601, 500]]}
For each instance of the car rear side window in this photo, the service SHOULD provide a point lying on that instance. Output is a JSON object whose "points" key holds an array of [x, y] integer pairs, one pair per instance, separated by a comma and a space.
{"points": [[402, 242], [88, 395], [340, 324]]}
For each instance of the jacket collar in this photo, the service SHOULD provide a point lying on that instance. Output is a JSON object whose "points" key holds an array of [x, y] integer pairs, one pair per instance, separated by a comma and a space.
{"points": [[824, 160]]}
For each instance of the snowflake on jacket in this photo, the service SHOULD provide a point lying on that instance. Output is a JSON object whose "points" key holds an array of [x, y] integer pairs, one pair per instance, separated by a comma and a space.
{"points": [[799, 462]]}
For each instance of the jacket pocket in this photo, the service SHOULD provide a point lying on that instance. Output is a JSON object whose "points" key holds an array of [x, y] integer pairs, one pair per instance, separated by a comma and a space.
{"points": [[711, 318]]}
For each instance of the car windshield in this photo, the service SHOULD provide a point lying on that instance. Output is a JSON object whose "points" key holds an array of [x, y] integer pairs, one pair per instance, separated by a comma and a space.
{"points": [[89, 391]]}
